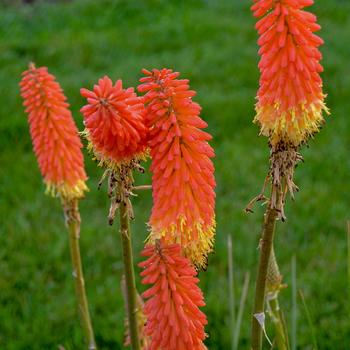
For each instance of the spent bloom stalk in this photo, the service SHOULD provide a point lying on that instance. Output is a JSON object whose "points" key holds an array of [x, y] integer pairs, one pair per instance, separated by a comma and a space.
{"points": [[183, 173]]}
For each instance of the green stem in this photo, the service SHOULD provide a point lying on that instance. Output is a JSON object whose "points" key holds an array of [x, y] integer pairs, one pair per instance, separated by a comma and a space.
{"points": [[276, 317], [348, 226], [231, 296], [73, 224], [131, 306], [294, 304], [266, 243], [274, 285]]}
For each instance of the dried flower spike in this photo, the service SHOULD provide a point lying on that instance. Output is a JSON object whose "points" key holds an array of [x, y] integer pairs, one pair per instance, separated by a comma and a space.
{"points": [[54, 134], [183, 173], [174, 320], [114, 121], [290, 98]]}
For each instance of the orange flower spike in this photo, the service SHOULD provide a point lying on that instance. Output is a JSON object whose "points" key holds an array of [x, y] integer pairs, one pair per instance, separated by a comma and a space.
{"points": [[114, 121], [55, 138], [183, 173], [174, 320], [290, 97]]}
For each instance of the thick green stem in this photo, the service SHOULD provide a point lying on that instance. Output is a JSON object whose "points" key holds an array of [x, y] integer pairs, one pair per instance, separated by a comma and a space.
{"points": [[266, 243], [131, 294], [73, 224]]}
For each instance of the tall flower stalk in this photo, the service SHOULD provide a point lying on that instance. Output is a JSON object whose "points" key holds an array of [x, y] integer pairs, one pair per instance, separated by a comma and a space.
{"points": [[58, 150], [117, 135], [72, 218], [289, 109], [182, 222]]}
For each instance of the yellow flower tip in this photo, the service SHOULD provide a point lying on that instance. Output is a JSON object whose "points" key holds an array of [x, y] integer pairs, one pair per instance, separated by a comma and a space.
{"points": [[109, 163], [295, 126], [67, 191], [197, 241], [197, 252]]}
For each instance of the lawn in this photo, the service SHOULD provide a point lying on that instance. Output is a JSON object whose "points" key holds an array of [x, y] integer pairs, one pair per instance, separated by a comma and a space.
{"points": [[213, 43]]}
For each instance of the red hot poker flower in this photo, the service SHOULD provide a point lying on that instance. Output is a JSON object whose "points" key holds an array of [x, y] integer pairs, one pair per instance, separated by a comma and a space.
{"points": [[290, 97], [174, 320], [183, 173], [114, 121], [56, 142]]}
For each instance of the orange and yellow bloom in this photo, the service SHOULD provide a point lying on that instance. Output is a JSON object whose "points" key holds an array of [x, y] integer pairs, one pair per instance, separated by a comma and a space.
{"points": [[183, 173], [174, 320], [55, 138], [290, 100], [114, 122]]}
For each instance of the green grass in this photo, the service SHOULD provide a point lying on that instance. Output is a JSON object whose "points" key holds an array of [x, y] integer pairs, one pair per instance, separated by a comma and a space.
{"points": [[213, 43]]}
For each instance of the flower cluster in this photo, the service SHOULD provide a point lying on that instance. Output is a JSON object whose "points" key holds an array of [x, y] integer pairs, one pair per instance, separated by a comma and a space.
{"points": [[114, 121], [183, 173], [290, 98], [174, 320], [54, 134]]}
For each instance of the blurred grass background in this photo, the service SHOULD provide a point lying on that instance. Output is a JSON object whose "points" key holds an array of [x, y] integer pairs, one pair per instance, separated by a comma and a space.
{"points": [[213, 43]]}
